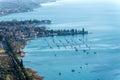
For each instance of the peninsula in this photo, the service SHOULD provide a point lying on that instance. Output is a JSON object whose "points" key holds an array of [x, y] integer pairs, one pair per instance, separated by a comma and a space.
{"points": [[13, 37], [18, 6]]}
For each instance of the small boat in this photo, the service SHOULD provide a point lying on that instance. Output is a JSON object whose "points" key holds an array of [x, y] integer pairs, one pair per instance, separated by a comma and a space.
{"points": [[84, 50], [67, 41], [76, 49], [58, 46], [50, 47], [94, 52], [80, 67], [72, 70], [60, 73]]}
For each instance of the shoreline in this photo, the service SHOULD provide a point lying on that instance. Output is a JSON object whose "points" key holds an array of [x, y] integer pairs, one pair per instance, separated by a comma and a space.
{"points": [[32, 72], [38, 36], [19, 32], [22, 10]]}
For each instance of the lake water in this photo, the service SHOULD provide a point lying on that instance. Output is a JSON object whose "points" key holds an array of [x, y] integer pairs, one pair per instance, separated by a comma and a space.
{"points": [[98, 55]]}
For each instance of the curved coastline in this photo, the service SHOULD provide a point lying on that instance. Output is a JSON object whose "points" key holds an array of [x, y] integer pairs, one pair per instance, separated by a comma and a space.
{"points": [[28, 70], [21, 31], [101, 42], [20, 9]]}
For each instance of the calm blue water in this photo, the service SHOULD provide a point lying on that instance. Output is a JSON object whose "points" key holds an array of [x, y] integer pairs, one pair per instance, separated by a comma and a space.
{"points": [[99, 62]]}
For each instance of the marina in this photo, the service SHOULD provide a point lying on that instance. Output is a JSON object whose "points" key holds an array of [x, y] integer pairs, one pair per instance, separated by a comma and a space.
{"points": [[67, 44]]}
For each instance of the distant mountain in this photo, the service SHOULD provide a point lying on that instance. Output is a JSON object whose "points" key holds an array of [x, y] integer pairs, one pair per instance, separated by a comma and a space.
{"points": [[26, 1], [13, 6], [22, 3]]}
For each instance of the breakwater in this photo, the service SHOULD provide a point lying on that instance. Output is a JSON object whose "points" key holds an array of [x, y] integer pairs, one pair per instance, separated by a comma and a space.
{"points": [[42, 31]]}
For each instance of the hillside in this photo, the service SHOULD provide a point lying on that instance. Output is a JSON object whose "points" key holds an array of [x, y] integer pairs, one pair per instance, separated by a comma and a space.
{"points": [[16, 6]]}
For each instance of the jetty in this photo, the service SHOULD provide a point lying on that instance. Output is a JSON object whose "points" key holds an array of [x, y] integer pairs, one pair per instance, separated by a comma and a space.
{"points": [[44, 32]]}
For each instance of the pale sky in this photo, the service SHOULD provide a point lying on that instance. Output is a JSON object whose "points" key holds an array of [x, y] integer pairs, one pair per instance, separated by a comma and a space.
{"points": [[59, 2], [91, 1], [114, 1], [80, 1]]}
